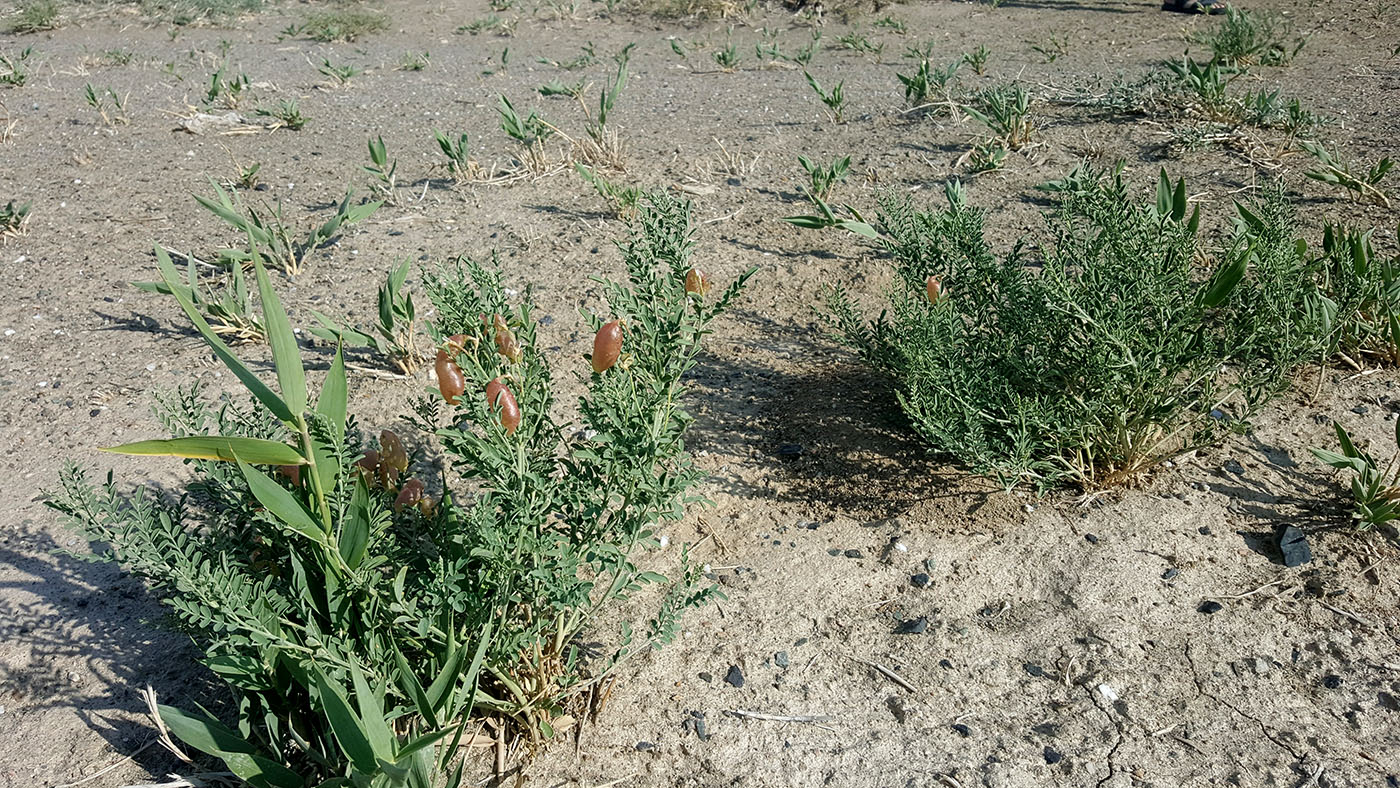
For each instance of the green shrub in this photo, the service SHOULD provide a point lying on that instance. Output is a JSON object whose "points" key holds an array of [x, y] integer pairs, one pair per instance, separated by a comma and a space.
{"points": [[359, 624], [1094, 356], [1359, 294], [1247, 37], [1375, 489]]}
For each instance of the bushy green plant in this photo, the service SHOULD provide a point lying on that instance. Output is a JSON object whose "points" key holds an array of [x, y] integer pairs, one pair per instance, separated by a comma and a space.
{"points": [[270, 238], [834, 99], [393, 335], [928, 84], [286, 112], [1094, 356], [34, 16], [13, 70], [1375, 490], [340, 24], [360, 625], [384, 172]]}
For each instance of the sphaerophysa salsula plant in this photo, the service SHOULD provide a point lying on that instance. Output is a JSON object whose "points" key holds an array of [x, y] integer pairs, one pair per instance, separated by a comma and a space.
{"points": [[363, 627], [1092, 357], [1375, 488], [393, 334], [270, 237]]}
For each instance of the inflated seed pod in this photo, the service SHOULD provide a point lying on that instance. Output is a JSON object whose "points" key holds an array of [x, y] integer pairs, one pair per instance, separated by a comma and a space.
{"points": [[696, 283], [607, 345], [369, 464], [498, 395], [409, 495], [451, 382], [427, 506], [934, 288], [292, 472], [507, 346], [391, 451]]}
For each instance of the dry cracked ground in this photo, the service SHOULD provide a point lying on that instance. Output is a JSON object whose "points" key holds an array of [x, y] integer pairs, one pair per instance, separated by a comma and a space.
{"points": [[1058, 641]]}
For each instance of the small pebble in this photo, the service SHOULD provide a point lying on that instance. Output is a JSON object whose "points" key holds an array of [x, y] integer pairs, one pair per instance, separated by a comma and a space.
{"points": [[1210, 606], [914, 626], [920, 580], [1331, 681], [1034, 669], [735, 677], [1203, 530], [1052, 756], [854, 553], [1171, 573], [643, 746], [1091, 539], [706, 677], [781, 659], [963, 729]]}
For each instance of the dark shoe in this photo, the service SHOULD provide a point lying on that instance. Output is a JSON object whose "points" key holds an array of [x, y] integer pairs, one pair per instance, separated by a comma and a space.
{"points": [[1195, 6]]}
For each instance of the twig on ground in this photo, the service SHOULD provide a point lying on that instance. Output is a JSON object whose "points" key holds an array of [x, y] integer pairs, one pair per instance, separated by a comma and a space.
{"points": [[758, 715], [887, 673], [1255, 591]]}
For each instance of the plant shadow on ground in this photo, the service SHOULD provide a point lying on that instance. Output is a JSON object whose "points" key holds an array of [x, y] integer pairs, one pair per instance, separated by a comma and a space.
{"points": [[93, 614], [807, 424]]}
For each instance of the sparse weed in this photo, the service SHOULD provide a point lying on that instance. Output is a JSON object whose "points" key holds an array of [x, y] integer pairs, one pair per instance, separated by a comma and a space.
{"points": [[556, 88], [1052, 48], [977, 59], [228, 307], [226, 87], [623, 199], [270, 238], [1359, 294], [1375, 491], [727, 58], [248, 176], [834, 99], [929, 85], [1364, 186], [988, 155], [856, 41], [1250, 37], [341, 74], [414, 61], [1207, 84], [1006, 111], [588, 57], [108, 103], [13, 70], [343, 24], [491, 23], [527, 130], [393, 336], [822, 178], [34, 16], [13, 219], [893, 25], [459, 157], [286, 112], [383, 170], [803, 57]]}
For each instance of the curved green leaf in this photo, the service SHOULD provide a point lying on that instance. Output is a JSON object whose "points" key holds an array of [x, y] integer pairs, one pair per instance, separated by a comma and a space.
{"points": [[286, 354], [255, 451]]}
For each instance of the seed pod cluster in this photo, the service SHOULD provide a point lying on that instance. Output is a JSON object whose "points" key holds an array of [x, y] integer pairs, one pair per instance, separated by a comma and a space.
{"points": [[500, 397], [607, 346], [382, 468]]}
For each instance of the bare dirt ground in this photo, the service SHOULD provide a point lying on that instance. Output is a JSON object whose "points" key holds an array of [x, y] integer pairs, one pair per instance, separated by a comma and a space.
{"points": [[1064, 643]]}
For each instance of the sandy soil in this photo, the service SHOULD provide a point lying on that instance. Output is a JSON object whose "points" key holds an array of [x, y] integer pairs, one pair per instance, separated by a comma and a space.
{"points": [[1064, 643]]}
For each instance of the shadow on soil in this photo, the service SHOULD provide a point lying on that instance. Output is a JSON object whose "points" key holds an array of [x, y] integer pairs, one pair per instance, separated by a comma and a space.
{"points": [[803, 422], [90, 644]]}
